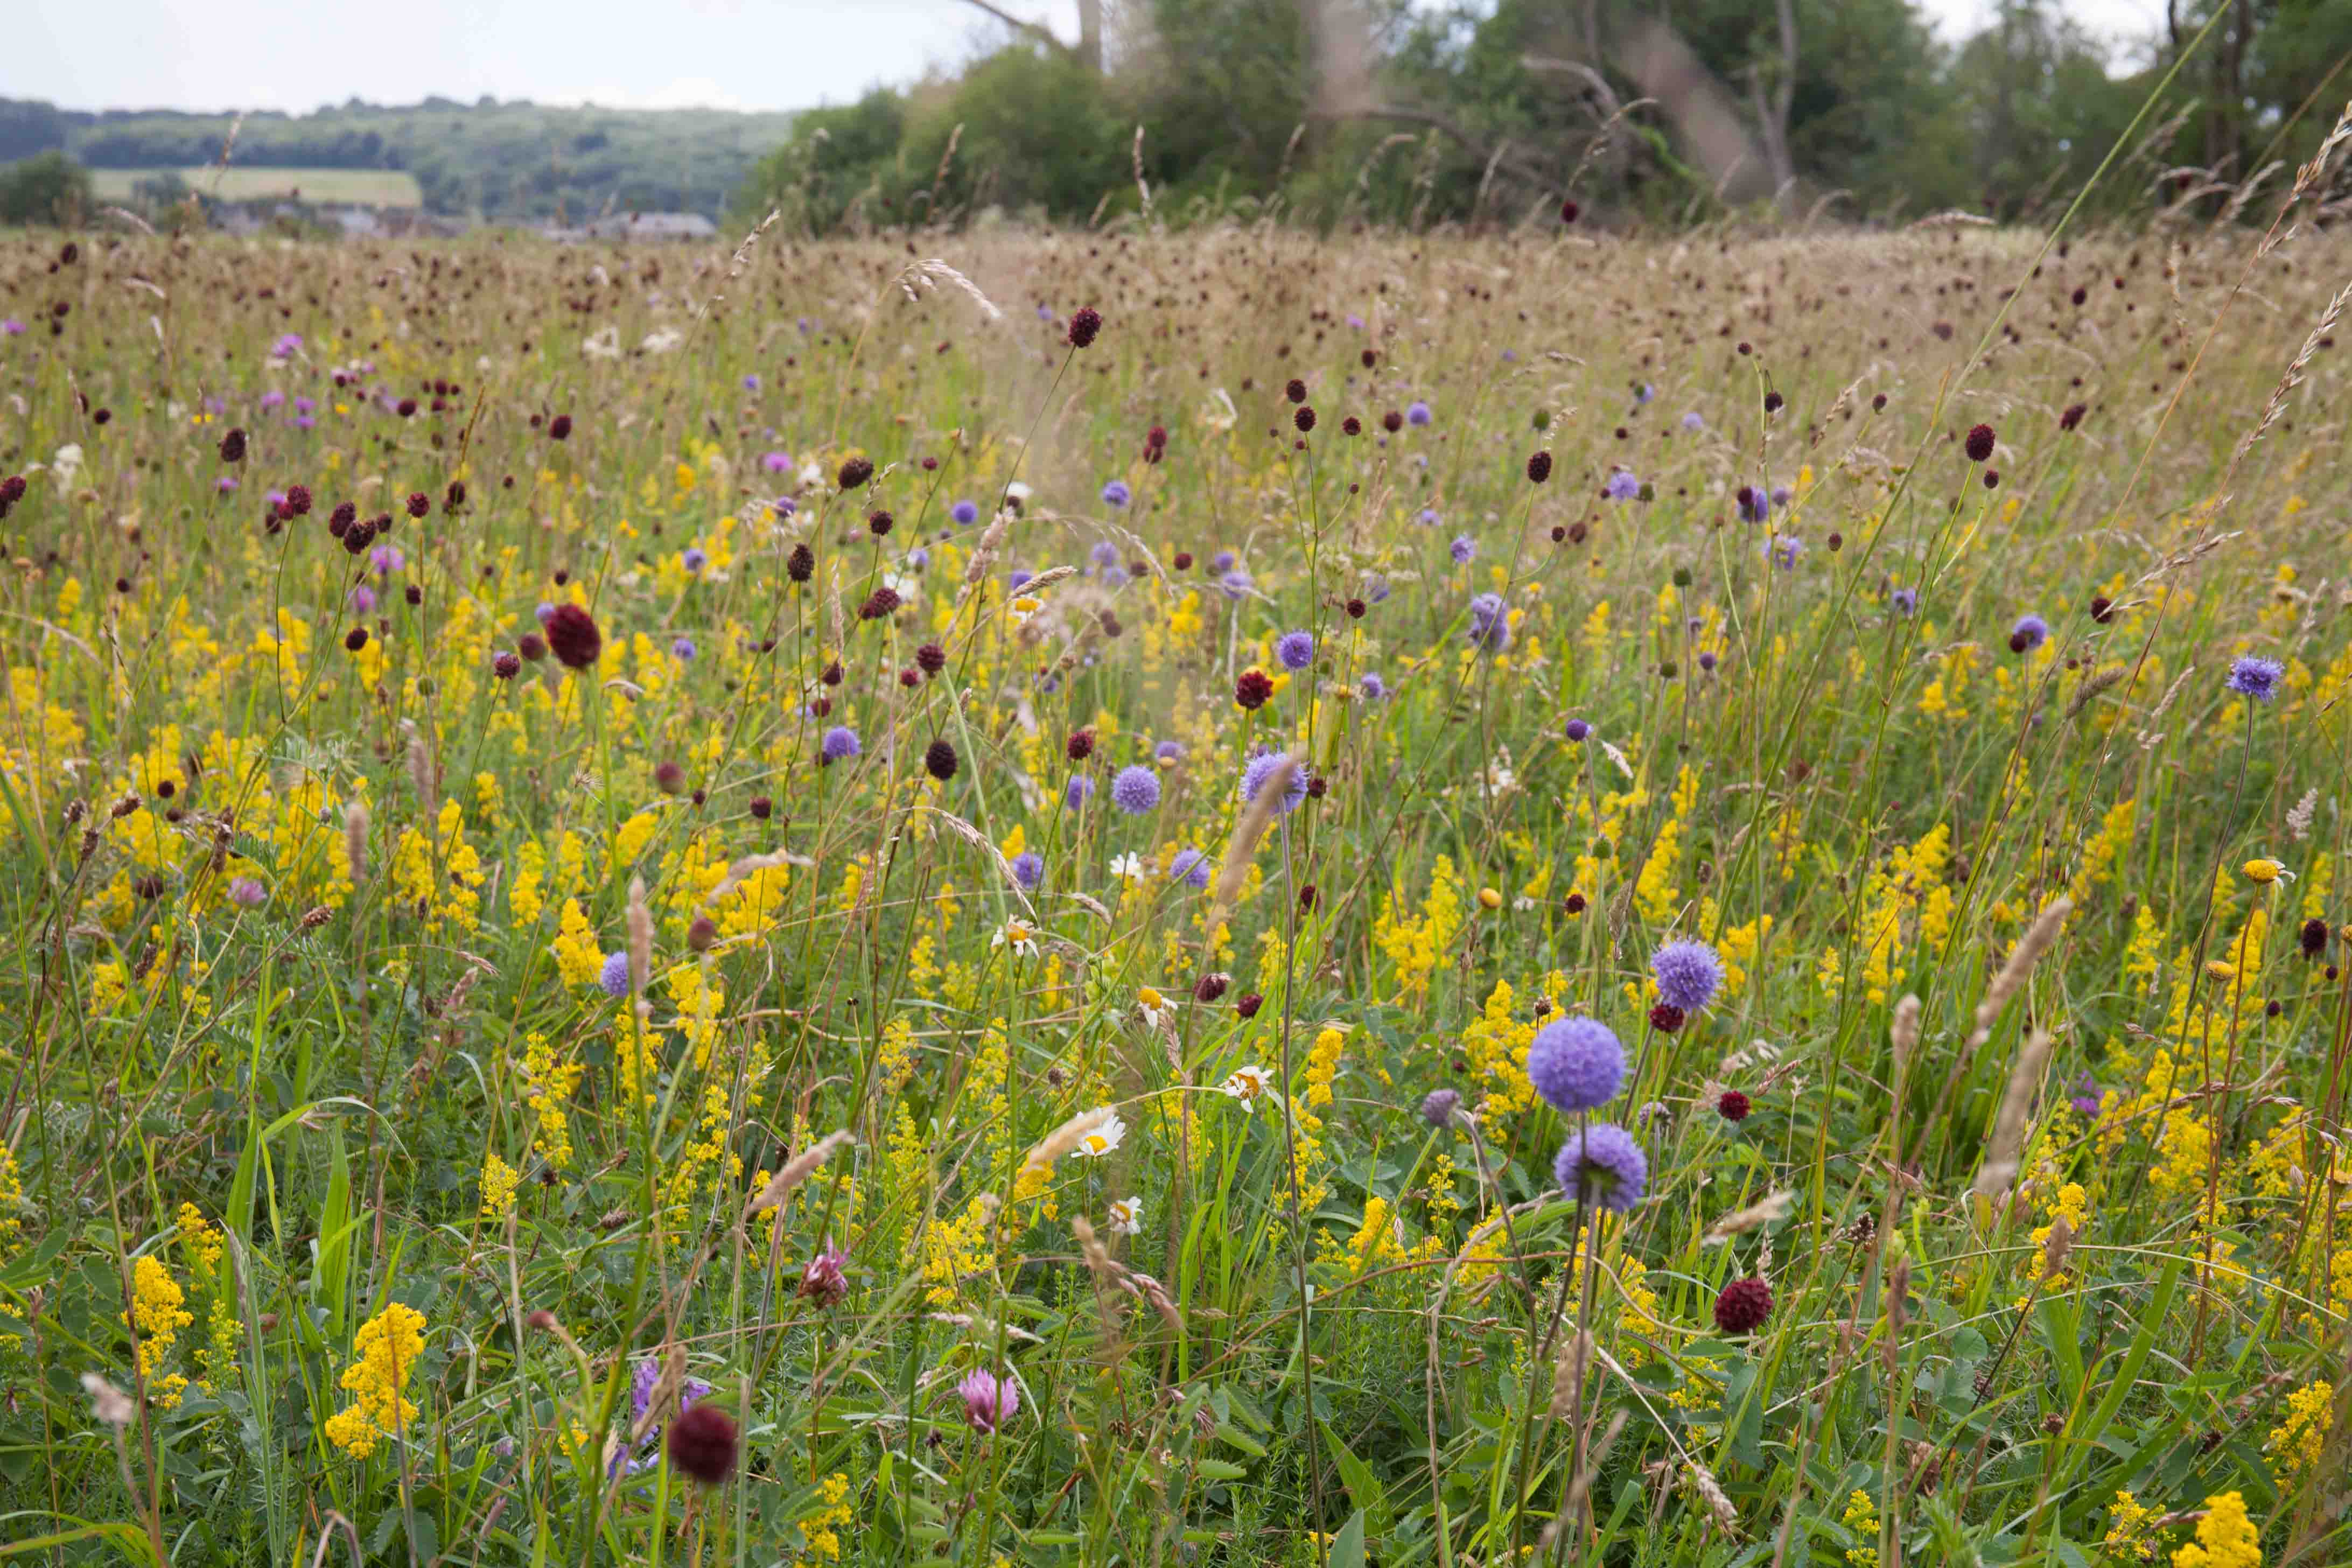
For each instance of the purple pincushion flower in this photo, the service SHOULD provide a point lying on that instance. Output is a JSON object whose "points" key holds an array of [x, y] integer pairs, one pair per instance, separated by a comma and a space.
{"points": [[839, 744], [1260, 768], [1463, 549], [693, 558], [1576, 1064], [1490, 624], [1782, 551], [1117, 494], [1135, 790], [2029, 632], [1693, 423], [1755, 505], [1602, 1165], [1417, 414], [642, 1384], [965, 512], [2256, 677], [1294, 650], [682, 648], [1688, 974], [1576, 730], [614, 976], [1190, 868], [1622, 486], [1235, 583], [1077, 791], [247, 893], [1028, 869], [1370, 687], [1438, 1106], [1905, 600]]}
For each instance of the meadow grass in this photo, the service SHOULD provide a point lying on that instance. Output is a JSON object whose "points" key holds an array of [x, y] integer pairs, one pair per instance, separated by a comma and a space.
{"points": [[368, 187], [600, 836]]}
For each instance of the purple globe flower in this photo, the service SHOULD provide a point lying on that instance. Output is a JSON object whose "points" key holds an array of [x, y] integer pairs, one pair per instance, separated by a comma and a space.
{"points": [[2256, 677], [1905, 600], [543, 613], [1576, 730], [247, 893], [1490, 624], [1463, 548], [751, 382], [1438, 1106], [693, 558], [1371, 687], [1104, 554], [642, 1384], [1235, 583], [777, 462], [1077, 791], [965, 512], [1135, 789], [2029, 632], [1576, 1064], [1784, 550], [1117, 494], [683, 649], [1688, 974], [1222, 561], [1190, 868], [1693, 423], [1428, 517], [1260, 768], [1755, 505], [1622, 486], [1417, 414], [614, 976], [1602, 1165], [1294, 650], [840, 743], [1028, 869], [989, 1401], [1168, 752]]}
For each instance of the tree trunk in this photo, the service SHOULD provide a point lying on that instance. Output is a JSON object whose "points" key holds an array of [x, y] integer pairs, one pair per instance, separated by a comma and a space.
{"points": [[2222, 148], [1091, 31]]}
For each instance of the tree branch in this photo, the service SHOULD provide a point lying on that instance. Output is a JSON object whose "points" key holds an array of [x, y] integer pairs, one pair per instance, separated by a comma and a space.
{"points": [[1447, 128], [1034, 29]]}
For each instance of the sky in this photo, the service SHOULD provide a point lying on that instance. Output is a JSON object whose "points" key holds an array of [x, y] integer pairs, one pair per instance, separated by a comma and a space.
{"points": [[716, 53]]}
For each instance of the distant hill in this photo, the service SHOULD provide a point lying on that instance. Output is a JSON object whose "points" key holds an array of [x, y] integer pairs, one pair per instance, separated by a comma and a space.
{"points": [[508, 162]]}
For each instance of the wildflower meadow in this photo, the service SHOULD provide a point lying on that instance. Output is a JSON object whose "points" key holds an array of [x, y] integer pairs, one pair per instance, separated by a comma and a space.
{"points": [[1192, 898]]}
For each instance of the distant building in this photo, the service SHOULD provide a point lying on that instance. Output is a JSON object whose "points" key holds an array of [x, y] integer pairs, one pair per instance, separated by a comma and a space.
{"points": [[655, 226]]}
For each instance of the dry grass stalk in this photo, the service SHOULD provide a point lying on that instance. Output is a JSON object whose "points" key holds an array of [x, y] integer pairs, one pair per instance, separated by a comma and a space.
{"points": [[2007, 1137], [641, 937], [2287, 384], [1068, 1136], [2055, 1248], [1701, 1481], [355, 838], [1902, 1031], [1764, 1211], [1246, 833], [2090, 688], [798, 1170], [2038, 939]]}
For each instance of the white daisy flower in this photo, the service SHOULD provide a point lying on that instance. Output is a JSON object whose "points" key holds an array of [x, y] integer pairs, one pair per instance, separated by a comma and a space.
{"points": [[1248, 1085], [1156, 1009], [1024, 609], [1103, 1139], [1127, 1217], [1016, 935], [1128, 865]]}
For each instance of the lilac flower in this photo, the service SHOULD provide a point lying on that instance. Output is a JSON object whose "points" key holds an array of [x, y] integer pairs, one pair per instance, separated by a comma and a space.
{"points": [[683, 649], [1688, 974], [1260, 768], [1235, 583], [1490, 624], [2087, 1099], [11, 327], [1355, 322], [2256, 677], [1428, 517], [1755, 505], [614, 976], [1168, 752], [1135, 790], [1644, 391], [989, 1401], [777, 462], [1905, 600], [362, 599], [1576, 1064], [750, 383], [225, 484], [1782, 550], [386, 559], [273, 398], [1463, 548], [1077, 791], [306, 405], [782, 507], [2029, 632], [1190, 868], [286, 347], [965, 513], [1622, 486], [304, 421], [1438, 1106], [1417, 414], [642, 1383], [1294, 650], [693, 558], [247, 893], [1104, 554], [1018, 578], [1602, 1165], [839, 744], [1370, 687], [1376, 589], [1117, 494], [1222, 562], [1028, 869], [543, 613]]}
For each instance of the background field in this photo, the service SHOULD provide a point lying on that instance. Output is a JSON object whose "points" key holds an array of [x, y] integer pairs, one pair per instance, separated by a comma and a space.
{"points": [[860, 980], [364, 187]]}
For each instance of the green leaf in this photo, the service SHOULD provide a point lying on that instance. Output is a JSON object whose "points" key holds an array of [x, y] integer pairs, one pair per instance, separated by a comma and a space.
{"points": [[1348, 1546]]}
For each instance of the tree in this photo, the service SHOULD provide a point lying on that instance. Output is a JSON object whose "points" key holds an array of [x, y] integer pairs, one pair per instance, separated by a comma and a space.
{"points": [[47, 187]]}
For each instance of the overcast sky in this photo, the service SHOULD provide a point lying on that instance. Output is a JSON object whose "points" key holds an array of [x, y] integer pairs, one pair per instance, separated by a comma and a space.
{"points": [[721, 54]]}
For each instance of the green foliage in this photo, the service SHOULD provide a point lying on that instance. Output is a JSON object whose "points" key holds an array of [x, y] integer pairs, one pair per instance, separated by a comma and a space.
{"points": [[47, 187]]}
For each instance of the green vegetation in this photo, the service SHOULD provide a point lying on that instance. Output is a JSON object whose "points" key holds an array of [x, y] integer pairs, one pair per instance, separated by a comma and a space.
{"points": [[238, 183]]}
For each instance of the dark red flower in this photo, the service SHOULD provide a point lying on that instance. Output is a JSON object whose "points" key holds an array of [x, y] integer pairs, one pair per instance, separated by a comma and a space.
{"points": [[560, 427], [1980, 443], [930, 659], [1253, 688], [1539, 468], [1249, 1004], [855, 472], [1209, 988], [1742, 1306], [1665, 1017], [2073, 416], [2315, 937], [572, 633], [702, 1444], [1732, 1105], [419, 503], [801, 565], [1568, 209], [531, 646], [939, 759], [298, 500], [232, 446], [1085, 323], [1304, 418]]}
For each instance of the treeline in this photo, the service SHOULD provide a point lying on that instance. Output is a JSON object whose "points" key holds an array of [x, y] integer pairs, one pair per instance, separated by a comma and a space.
{"points": [[509, 162], [1332, 111]]}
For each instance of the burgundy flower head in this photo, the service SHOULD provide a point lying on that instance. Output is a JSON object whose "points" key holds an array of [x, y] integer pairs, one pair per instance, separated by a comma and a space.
{"points": [[572, 633], [1742, 1306], [702, 1443], [1085, 323]]}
